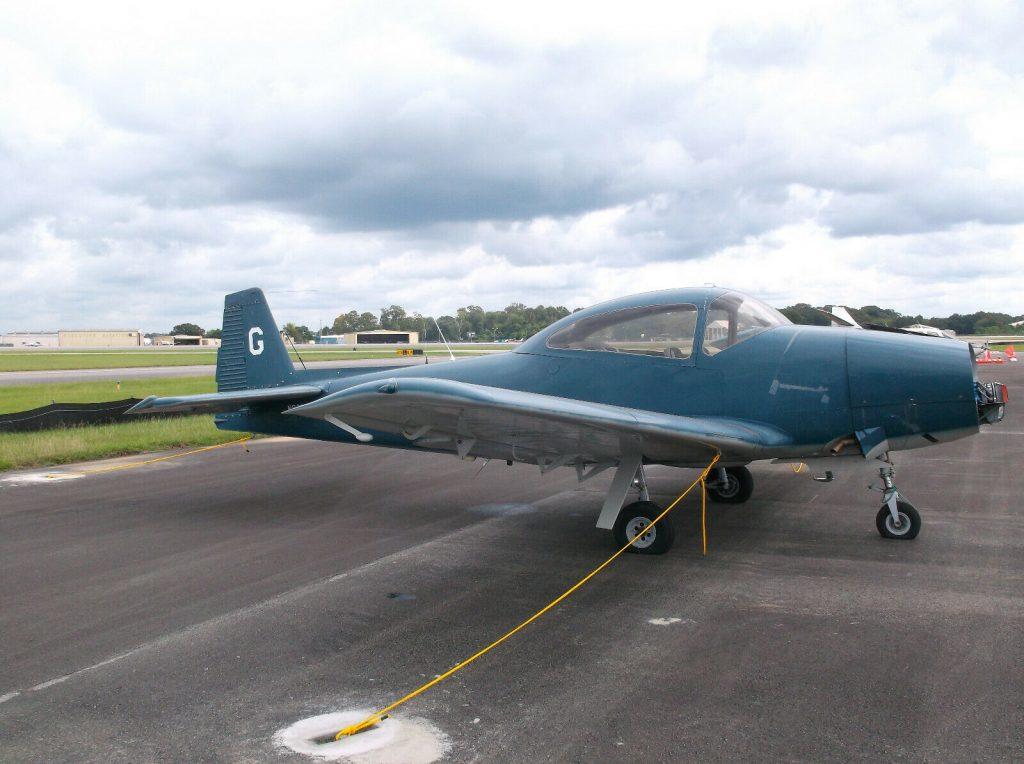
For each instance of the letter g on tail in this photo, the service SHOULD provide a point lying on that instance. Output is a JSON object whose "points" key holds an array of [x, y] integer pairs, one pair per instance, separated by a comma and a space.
{"points": [[255, 340]]}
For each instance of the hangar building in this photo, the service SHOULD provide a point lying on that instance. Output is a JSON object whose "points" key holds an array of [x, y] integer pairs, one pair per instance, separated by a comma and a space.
{"points": [[374, 337], [381, 337], [28, 339], [99, 338], [185, 339], [330, 339]]}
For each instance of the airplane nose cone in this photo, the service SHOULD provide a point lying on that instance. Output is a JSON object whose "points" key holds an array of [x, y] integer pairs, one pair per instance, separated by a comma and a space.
{"points": [[919, 389]]}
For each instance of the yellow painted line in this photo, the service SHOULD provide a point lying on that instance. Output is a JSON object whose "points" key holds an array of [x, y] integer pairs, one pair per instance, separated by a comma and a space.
{"points": [[130, 465], [379, 716]]}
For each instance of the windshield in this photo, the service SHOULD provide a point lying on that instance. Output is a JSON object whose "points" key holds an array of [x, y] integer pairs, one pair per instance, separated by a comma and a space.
{"points": [[733, 318], [666, 331]]}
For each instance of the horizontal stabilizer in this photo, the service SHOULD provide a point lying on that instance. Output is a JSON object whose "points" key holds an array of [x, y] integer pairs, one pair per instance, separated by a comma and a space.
{"points": [[209, 403]]}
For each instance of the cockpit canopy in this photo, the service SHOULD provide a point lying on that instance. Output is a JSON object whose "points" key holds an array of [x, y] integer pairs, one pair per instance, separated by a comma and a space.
{"points": [[668, 329], [733, 318], [662, 330]]}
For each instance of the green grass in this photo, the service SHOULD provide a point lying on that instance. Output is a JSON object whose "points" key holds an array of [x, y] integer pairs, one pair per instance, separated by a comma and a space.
{"points": [[77, 444], [51, 360], [74, 444], [24, 397]]}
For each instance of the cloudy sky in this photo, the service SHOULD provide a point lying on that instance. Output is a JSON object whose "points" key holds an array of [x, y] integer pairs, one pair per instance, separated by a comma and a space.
{"points": [[443, 155]]}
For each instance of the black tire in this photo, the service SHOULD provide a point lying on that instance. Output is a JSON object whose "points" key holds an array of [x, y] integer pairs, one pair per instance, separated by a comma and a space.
{"points": [[740, 486], [910, 522], [656, 540]]}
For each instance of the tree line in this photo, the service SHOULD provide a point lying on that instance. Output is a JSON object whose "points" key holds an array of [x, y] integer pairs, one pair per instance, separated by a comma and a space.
{"points": [[518, 321], [981, 322], [469, 324]]}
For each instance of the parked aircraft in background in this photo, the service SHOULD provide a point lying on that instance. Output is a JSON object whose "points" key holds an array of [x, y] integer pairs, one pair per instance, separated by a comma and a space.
{"points": [[931, 331], [673, 377], [840, 316]]}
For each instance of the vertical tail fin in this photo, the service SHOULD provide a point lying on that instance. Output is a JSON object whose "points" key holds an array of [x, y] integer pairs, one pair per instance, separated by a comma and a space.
{"points": [[251, 353]]}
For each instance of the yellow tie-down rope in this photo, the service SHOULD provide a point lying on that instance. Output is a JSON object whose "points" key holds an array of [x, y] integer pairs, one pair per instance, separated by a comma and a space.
{"points": [[375, 718]]}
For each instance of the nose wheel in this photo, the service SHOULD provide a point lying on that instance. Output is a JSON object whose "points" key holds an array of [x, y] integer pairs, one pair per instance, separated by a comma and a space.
{"points": [[898, 518], [635, 524], [905, 526]]}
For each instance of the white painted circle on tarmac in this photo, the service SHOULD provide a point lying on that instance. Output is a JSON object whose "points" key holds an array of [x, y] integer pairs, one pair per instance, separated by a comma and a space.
{"points": [[393, 741]]}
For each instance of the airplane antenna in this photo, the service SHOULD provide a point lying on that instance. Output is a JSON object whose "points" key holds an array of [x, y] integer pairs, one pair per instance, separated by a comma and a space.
{"points": [[443, 339], [292, 343]]}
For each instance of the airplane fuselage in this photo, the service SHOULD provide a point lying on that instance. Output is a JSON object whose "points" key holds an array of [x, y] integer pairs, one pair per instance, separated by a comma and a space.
{"points": [[818, 385]]}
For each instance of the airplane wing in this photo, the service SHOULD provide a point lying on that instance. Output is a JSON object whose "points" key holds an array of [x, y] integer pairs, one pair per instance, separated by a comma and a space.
{"points": [[208, 403], [478, 420]]}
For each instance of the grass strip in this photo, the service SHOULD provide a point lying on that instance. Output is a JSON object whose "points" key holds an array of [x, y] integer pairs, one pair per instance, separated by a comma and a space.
{"points": [[77, 444], [25, 397], [57, 360]]}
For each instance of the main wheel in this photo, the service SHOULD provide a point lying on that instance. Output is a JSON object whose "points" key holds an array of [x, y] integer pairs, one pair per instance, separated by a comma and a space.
{"points": [[909, 522], [636, 523], [735, 489]]}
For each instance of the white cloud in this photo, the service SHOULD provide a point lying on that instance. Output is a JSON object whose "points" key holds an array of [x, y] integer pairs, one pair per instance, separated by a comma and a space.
{"points": [[442, 155]]}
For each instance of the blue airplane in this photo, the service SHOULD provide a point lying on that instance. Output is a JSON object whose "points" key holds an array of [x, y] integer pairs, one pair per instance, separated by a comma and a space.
{"points": [[672, 377]]}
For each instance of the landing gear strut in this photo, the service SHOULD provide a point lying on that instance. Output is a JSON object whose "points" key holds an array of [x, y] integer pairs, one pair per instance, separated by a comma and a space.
{"points": [[897, 518], [634, 525]]}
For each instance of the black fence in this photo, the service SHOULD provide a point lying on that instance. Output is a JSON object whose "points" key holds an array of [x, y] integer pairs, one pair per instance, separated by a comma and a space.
{"points": [[71, 415]]}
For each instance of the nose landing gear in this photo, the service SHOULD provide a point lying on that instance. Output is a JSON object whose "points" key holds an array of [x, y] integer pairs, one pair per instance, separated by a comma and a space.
{"points": [[904, 526], [897, 518]]}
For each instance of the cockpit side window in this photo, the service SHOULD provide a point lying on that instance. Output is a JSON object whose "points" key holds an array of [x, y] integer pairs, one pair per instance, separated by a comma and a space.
{"points": [[733, 318], [665, 331]]}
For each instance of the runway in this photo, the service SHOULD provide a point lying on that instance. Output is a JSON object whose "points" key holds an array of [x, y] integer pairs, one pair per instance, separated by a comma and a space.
{"points": [[187, 610]]}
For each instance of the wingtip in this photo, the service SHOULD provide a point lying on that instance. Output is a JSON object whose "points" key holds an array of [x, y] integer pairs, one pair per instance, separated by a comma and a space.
{"points": [[143, 405]]}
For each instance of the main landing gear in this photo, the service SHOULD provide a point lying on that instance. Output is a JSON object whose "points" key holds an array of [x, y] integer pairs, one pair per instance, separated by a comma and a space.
{"points": [[897, 518], [732, 485], [635, 522]]}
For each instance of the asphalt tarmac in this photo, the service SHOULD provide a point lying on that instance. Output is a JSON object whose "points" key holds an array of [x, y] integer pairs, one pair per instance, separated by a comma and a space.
{"points": [[186, 610]]}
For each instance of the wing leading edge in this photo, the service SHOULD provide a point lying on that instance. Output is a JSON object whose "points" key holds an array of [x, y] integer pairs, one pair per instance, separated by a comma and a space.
{"points": [[548, 430]]}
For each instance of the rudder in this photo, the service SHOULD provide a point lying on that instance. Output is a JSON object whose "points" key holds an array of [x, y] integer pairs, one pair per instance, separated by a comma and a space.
{"points": [[251, 353]]}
